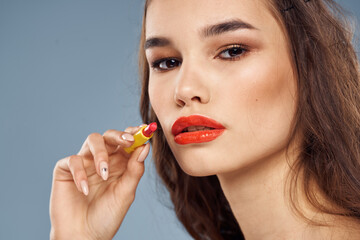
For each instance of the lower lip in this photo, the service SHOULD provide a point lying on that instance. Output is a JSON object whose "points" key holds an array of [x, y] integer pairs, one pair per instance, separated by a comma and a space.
{"points": [[198, 137]]}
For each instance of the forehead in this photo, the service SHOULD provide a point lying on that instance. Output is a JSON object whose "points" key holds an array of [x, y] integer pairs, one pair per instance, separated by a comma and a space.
{"points": [[174, 15]]}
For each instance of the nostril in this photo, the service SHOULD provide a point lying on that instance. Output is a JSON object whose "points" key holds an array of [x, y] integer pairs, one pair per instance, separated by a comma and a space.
{"points": [[180, 102], [196, 98]]}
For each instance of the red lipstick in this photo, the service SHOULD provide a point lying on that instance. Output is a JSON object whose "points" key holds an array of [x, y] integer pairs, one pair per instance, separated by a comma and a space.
{"points": [[150, 129], [196, 129]]}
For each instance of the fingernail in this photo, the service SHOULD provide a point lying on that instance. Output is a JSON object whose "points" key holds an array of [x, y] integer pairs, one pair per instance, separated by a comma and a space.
{"points": [[84, 187], [127, 137], [142, 155], [104, 170]]}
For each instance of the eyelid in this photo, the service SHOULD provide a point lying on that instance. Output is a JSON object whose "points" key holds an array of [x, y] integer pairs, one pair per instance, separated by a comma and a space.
{"points": [[228, 46]]}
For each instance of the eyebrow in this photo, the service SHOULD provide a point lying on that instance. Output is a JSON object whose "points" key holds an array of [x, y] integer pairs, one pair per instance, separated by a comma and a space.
{"points": [[207, 31], [224, 27], [156, 42]]}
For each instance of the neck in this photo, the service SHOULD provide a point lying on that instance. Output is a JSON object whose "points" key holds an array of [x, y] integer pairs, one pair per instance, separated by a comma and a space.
{"points": [[259, 199]]}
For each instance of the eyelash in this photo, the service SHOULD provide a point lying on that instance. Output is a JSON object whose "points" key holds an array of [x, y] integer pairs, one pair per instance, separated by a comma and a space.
{"points": [[156, 64]]}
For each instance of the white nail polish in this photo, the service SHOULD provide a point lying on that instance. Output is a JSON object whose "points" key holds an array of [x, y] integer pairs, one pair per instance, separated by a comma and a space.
{"points": [[127, 137], [84, 187], [104, 170]]}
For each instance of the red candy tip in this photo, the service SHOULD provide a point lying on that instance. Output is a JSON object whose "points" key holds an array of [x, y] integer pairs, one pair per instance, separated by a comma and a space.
{"points": [[150, 129]]}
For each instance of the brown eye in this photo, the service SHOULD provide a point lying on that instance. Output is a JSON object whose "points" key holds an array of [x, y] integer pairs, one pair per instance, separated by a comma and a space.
{"points": [[232, 53], [166, 64]]}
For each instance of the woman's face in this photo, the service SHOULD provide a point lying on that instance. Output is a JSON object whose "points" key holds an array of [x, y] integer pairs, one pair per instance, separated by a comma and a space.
{"points": [[228, 61]]}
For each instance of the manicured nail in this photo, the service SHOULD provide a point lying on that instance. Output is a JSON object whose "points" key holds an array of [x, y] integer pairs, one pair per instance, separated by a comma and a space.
{"points": [[142, 155], [104, 171], [84, 187], [127, 137]]}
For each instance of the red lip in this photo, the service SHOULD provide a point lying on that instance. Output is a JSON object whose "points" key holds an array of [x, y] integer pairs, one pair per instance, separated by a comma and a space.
{"points": [[198, 136]]}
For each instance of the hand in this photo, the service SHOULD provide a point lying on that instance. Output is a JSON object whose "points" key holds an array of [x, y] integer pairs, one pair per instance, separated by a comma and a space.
{"points": [[93, 190]]}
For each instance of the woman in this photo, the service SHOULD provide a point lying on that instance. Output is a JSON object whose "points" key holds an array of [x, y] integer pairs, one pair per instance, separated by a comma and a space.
{"points": [[258, 103]]}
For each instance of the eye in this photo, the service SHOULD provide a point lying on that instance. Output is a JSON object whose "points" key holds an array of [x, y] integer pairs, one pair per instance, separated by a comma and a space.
{"points": [[165, 64], [233, 52]]}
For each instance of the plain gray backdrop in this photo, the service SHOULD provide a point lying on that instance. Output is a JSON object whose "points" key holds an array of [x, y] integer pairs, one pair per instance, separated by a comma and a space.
{"points": [[69, 68]]}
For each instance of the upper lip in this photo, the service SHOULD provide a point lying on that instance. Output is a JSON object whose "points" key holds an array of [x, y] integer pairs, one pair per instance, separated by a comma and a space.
{"points": [[194, 120]]}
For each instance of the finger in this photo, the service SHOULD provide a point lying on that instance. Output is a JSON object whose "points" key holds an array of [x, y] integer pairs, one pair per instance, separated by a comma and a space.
{"points": [[133, 130], [76, 166], [134, 172], [100, 154], [85, 150], [117, 138]]}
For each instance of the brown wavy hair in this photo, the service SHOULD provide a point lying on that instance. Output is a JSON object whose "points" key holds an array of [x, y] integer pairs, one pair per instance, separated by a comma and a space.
{"points": [[327, 73]]}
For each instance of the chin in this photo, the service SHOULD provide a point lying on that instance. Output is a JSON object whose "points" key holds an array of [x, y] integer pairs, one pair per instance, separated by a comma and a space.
{"points": [[196, 163], [195, 171], [203, 161], [207, 158]]}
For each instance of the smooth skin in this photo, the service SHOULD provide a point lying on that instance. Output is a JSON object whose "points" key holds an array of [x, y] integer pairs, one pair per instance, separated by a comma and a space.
{"points": [[242, 78], [86, 204]]}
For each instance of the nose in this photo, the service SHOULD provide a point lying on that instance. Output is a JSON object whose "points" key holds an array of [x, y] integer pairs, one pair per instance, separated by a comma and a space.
{"points": [[191, 85]]}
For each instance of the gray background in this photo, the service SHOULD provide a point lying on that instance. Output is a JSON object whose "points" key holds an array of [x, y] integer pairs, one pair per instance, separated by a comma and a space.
{"points": [[69, 68]]}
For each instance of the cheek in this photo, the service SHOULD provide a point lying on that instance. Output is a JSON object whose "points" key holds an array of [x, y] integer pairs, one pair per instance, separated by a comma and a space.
{"points": [[272, 99], [263, 101], [157, 95], [161, 96], [271, 103]]}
